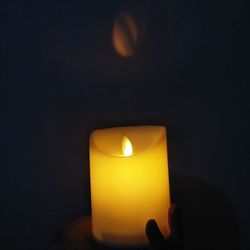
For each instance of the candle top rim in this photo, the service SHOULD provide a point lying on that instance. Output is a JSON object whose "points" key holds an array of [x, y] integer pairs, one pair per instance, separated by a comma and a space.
{"points": [[108, 141]]}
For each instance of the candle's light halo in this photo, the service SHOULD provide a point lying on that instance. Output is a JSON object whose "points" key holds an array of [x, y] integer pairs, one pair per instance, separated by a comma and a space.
{"points": [[125, 34]]}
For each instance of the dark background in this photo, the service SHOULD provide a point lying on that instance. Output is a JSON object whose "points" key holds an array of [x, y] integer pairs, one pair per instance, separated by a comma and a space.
{"points": [[61, 78]]}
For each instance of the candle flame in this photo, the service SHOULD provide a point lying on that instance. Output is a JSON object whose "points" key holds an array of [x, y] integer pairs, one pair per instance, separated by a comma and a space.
{"points": [[127, 148]]}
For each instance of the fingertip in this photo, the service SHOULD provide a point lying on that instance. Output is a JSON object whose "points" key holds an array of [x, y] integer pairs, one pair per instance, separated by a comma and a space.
{"points": [[171, 212], [154, 234], [176, 216], [177, 226], [150, 226]]}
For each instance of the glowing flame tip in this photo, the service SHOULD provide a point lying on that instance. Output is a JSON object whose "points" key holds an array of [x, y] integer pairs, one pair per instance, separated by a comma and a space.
{"points": [[127, 148]]}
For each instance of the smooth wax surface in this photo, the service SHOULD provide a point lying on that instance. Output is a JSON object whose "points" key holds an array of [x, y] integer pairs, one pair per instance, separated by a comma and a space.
{"points": [[127, 191]]}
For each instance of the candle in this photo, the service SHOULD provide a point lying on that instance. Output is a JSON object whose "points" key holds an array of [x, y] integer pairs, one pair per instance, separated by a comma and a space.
{"points": [[129, 183]]}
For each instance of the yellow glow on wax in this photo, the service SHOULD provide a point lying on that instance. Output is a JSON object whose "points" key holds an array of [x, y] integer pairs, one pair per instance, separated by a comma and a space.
{"points": [[126, 192], [127, 148]]}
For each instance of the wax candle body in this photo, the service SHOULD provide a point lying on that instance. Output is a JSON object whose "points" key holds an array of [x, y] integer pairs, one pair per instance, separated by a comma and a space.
{"points": [[127, 191]]}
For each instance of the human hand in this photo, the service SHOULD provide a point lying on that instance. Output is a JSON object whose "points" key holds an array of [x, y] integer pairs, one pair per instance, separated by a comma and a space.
{"points": [[173, 242]]}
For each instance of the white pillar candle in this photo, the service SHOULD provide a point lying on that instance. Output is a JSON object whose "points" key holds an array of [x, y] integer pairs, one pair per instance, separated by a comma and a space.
{"points": [[129, 183]]}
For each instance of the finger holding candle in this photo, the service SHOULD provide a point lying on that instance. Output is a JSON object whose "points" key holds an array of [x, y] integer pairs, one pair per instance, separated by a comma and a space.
{"points": [[157, 240]]}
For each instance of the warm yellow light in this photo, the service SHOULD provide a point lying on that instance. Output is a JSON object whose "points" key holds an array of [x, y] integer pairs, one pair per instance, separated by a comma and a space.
{"points": [[127, 148], [125, 34], [129, 183]]}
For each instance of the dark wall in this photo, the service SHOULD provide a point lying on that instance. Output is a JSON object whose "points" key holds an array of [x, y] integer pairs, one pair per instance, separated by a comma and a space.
{"points": [[61, 78]]}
